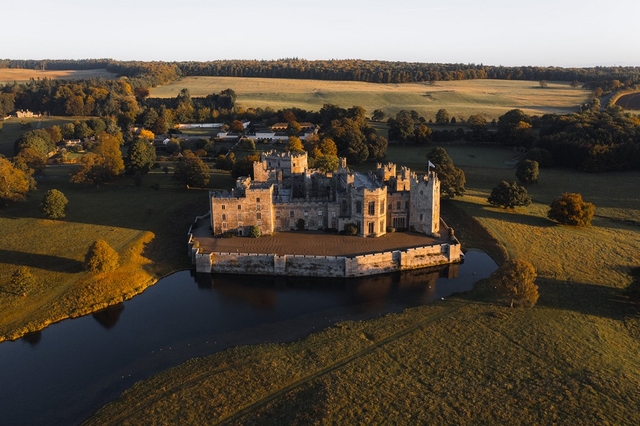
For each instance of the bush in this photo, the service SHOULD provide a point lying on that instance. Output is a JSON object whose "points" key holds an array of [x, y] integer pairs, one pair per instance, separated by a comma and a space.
{"points": [[515, 281], [101, 257], [255, 232], [350, 229], [54, 204], [300, 224], [570, 209], [22, 280]]}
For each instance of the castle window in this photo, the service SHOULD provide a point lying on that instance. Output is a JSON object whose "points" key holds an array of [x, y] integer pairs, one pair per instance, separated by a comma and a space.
{"points": [[258, 216], [258, 207], [291, 213], [371, 227], [224, 207], [421, 192], [319, 212], [359, 207], [257, 200], [306, 213], [343, 207], [224, 217], [277, 214], [224, 225], [421, 217], [239, 206], [398, 206], [333, 214], [406, 205], [258, 223], [372, 207], [239, 216]]}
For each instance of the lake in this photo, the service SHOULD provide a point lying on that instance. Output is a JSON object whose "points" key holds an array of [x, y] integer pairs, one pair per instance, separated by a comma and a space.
{"points": [[64, 373]]}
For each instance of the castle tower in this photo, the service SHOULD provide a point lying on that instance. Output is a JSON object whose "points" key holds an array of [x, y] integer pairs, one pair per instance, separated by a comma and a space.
{"points": [[424, 213]]}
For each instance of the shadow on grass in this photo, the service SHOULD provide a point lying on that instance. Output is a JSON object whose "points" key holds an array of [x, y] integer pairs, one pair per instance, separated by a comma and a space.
{"points": [[513, 216], [588, 299], [40, 261]]}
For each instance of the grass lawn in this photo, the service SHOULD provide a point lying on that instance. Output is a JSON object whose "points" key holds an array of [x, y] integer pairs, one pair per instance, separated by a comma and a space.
{"points": [[21, 75], [147, 227], [12, 129], [460, 98], [572, 359]]}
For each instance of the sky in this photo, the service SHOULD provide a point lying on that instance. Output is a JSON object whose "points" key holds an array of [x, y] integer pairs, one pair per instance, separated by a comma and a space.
{"points": [[563, 33]]}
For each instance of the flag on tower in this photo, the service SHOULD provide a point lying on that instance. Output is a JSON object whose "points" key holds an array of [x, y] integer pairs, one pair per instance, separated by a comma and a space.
{"points": [[431, 165]]}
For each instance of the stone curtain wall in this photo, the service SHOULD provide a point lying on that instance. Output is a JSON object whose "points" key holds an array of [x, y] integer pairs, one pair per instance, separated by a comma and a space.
{"points": [[325, 266]]}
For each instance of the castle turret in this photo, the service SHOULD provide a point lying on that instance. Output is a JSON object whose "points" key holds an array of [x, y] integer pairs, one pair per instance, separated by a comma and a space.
{"points": [[424, 212]]}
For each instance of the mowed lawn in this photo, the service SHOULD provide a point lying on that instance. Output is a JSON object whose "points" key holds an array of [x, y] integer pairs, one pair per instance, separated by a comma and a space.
{"points": [[146, 226], [13, 128], [572, 359], [21, 75], [460, 98]]}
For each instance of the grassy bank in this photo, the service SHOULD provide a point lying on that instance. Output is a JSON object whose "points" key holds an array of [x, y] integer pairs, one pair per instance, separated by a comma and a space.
{"points": [[467, 360], [147, 227], [460, 98]]}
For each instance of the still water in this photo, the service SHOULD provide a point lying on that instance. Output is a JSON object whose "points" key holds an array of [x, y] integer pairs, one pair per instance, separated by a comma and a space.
{"points": [[61, 375]]}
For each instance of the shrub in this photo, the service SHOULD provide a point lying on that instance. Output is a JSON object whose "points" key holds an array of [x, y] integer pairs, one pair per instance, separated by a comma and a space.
{"points": [[515, 280], [350, 229], [101, 257], [22, 280], [255, 232], [570, 209], [54, 204], [300, 224]]}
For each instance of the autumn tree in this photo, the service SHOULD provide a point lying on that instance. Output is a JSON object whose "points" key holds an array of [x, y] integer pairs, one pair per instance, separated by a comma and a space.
{"points": [[515, 282], [509, 195], [192, 171], [422, 134], [101, 257], [294, 144], [570, 209], [14, 183], [54, 204], [103, 164], [402, 127], [378, 115], [452, 179], [22, 281], [527, 171]]}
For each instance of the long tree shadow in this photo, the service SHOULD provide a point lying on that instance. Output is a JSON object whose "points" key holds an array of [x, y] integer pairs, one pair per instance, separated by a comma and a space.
{"points": [[40, 261], [588, 299]]}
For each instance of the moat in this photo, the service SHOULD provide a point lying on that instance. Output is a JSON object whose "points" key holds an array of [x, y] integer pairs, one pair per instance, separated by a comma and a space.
{"points": [[64, 373]]}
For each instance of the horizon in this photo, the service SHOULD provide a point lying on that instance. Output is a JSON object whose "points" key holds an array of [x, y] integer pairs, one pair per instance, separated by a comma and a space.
{"points": [[496, 33]]}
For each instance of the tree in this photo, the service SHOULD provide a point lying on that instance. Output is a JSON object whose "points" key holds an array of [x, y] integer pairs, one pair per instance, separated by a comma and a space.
{"points": [[237, 126], [570, 209], [527, 171], [327, 163], [509, 195], [54, 204], [255, 231], [575, 84], [422, 134], [442, 116], [294, 144], [452, 179], [401, 128], [102, 165], [141, 156], [378, 115], [14, 183], [515, 281], [101, 257], [192, 171], [30, 161], [544, 84], [22, 280]]}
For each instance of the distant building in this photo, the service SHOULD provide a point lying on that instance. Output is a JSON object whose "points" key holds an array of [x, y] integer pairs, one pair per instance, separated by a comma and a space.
{"points": [[285, 193], [26, 114]]}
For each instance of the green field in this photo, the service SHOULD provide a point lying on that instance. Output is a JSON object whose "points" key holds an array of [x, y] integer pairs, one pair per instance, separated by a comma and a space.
{"points": [[468, 360], [460, 98], [146, 226], [13, 128], [21, 75]]}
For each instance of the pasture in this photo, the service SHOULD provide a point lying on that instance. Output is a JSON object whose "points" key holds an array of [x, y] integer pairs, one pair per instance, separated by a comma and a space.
{"points": [[460, 98], [146, 226], [466, 360], [21, 75], [13, 128]]}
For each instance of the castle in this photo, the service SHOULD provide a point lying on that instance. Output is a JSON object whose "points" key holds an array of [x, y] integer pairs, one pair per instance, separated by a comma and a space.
{"points": [[286, 195]]}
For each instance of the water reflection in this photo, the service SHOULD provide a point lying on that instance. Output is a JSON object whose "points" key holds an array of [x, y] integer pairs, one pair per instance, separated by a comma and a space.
{"points": [[75, 366], [108, 317]]}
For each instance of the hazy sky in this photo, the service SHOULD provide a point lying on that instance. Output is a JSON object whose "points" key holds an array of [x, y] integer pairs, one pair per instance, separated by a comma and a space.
{"points": [[493, 32]]}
